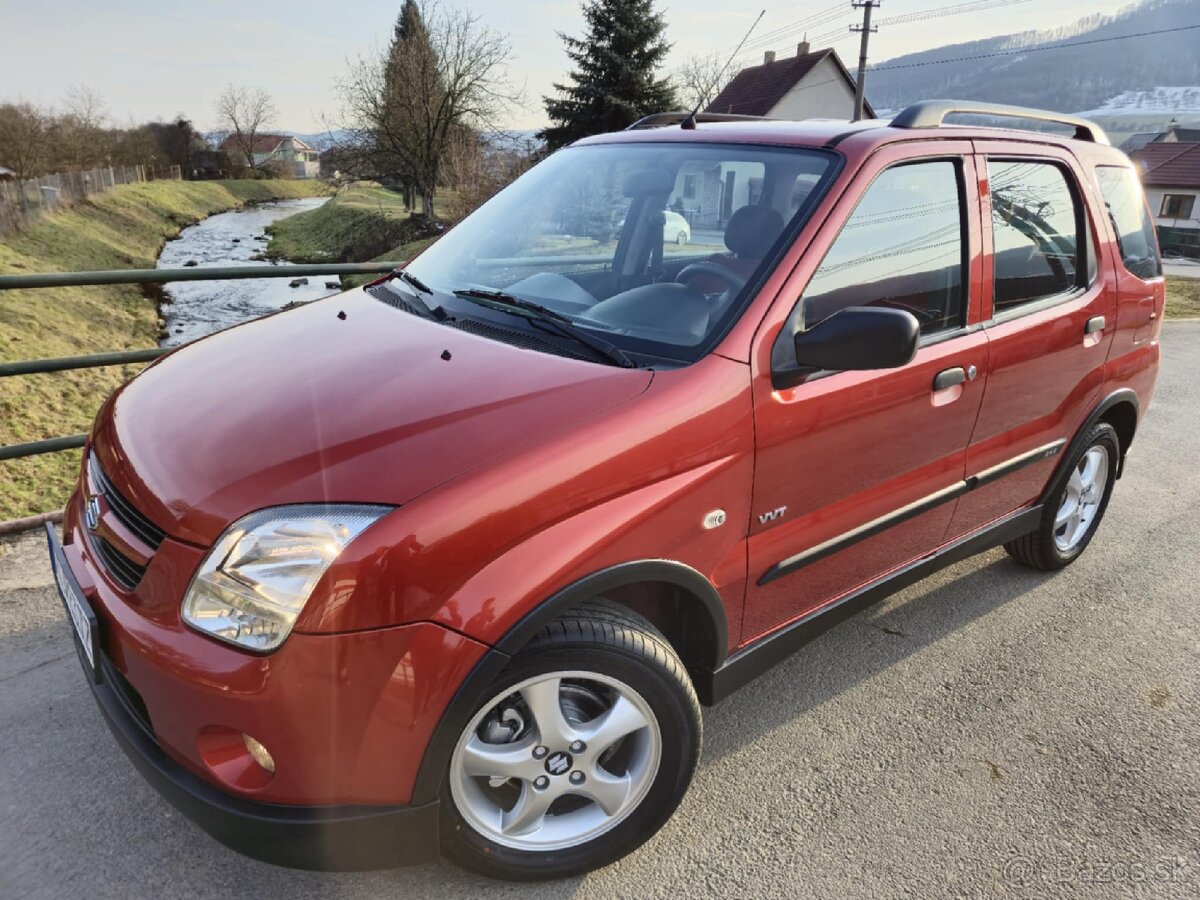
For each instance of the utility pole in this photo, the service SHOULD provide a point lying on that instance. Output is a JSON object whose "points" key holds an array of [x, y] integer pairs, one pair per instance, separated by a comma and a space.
{"points": [[860, 91]]}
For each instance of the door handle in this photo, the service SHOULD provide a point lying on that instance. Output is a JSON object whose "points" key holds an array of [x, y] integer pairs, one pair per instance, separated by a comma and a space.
{"points": [[1094, 324], [948, 378]]}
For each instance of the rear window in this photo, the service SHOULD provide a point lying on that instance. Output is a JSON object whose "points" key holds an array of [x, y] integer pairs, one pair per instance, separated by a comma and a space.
{"points": [[1131, 220], [1038, 240]]}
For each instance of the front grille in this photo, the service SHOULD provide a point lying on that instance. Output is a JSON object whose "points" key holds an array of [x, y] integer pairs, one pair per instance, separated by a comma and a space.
{"points": [[149, 533], [123, 570]]}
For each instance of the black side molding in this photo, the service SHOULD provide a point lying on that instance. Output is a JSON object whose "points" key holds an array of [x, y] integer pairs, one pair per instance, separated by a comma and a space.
{"points": [[912, 510], [747, 664]]}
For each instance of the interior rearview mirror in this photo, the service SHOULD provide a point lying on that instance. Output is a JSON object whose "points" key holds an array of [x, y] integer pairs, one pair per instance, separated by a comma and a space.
{"points": [[856, 338]]}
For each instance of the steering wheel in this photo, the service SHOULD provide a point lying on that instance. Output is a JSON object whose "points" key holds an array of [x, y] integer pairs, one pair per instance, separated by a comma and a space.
{"points": [[730, 277]]}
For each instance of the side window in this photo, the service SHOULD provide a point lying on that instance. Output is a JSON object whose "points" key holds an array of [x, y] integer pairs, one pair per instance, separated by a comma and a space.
{"points": [[902, 247], [1036, 225], [1131, 220]]}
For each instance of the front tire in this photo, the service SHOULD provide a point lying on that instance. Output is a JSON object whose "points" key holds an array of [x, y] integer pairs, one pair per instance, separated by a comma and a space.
{"points": [[584, 748], [1076, 506]]}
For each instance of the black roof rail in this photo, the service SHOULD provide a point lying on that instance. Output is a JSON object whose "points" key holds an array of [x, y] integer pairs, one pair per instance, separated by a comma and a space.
{"points": [[930, 113], [664, 119]]}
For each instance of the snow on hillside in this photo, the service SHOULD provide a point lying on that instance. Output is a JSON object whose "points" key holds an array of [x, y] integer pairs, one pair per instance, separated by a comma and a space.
{"points": [[1162, 99]]}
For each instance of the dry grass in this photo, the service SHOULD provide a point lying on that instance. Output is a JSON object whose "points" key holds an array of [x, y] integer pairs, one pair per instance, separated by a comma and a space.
{"points": [[123, 229], [1183, 298]]}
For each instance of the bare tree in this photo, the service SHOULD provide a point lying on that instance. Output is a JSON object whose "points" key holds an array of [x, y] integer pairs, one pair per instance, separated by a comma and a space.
{"points": [[25, 138], [476, 167], [244, 112], [700, 78], [81, 138], [402, 109]]}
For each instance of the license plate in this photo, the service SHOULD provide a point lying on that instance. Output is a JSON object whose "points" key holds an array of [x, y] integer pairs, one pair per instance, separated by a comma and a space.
{"points": [[79, 611]]}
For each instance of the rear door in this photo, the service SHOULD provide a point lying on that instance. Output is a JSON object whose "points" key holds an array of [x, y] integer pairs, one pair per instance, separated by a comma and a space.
{"points": [[1050, 312], [856, 472]]}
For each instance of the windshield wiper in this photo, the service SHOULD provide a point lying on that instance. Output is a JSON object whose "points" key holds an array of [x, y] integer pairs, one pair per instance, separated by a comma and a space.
{"points": [[563, 324], [419, 287]]}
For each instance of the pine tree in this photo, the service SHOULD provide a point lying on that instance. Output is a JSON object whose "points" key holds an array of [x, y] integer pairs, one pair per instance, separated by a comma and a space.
{"points": [[410, 49], [615, 76]]}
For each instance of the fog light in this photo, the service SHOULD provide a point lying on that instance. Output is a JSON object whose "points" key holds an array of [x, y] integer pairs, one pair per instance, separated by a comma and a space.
{"points": [[259, 753]]}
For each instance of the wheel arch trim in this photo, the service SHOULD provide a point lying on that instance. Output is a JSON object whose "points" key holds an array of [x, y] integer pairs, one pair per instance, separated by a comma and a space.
{"points": [[1116, 398], [475, 686]]}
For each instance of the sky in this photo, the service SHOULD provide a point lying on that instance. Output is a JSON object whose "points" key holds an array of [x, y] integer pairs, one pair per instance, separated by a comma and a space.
{"points": [[154, 60]]}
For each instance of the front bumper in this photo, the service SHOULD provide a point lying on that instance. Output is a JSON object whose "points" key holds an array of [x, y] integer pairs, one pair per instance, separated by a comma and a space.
{"points": [[304, 837], [347, 717]]}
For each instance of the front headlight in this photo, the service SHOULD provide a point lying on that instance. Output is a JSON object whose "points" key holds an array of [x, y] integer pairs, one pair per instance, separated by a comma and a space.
{"points": [[256, 579]]}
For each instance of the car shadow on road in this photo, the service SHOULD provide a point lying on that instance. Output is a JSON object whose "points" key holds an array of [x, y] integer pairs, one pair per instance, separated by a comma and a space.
{"points": [[865, 645]]}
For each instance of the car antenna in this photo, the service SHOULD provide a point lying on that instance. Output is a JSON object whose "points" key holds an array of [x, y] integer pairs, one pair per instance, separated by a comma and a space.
{"points": [[690, 122]]}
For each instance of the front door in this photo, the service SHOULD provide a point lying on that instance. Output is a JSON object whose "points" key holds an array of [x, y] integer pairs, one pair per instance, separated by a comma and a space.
{"points": [[856, 473], [1051, 311]]}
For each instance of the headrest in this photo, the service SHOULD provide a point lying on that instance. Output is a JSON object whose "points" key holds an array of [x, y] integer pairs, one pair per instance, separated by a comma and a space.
{"points": [[645, 182], [752, 230]]}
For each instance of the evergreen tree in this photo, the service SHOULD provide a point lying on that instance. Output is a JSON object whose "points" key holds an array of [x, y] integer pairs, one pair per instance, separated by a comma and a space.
{"points": [[410, 49], [615, 79]]}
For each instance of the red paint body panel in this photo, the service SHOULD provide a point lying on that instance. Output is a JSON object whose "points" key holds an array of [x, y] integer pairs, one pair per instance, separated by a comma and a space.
{"points": [[843, 450], [306, 405], [514, 474], [346, 717]]}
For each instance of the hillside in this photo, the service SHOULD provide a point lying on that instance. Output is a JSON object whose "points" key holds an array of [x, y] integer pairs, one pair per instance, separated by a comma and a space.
{"points": [[1087, 77]]}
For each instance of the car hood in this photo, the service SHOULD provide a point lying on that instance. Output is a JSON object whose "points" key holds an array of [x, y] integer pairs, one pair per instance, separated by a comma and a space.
{"points": [[343, 400]]}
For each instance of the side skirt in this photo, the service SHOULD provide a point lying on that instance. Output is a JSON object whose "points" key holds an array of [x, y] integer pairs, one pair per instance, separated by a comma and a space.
{"points": [[747, 664]]}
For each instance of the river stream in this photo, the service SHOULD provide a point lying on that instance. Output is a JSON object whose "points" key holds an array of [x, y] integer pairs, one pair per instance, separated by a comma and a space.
{"points": [[197, 308]]}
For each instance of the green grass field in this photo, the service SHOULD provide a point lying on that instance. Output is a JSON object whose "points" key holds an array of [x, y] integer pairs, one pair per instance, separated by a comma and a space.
{"points": [[122, 229], [362, 222]]}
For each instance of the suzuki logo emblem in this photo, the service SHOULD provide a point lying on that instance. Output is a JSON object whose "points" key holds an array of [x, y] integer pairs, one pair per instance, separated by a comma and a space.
{"points": [[557, 763], [772, 515], [91, 513]]}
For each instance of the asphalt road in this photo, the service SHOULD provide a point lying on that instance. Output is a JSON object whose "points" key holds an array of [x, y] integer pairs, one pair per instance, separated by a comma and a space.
{"points": [[991, 732]]}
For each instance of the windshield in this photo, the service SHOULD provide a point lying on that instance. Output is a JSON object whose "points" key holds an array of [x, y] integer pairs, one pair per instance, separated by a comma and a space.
{"points": [[652, 247]]}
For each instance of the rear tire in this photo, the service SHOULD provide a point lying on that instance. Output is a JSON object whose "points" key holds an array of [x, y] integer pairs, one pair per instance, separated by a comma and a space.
{"points": [[1075, 506], [598, 671]]}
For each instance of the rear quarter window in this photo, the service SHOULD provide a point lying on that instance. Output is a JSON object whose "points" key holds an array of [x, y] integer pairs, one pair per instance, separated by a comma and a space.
{"points": [[1130, 219]]}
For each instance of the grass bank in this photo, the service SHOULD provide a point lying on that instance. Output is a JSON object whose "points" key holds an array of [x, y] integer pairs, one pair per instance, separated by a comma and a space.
{"points": [[1183, 298], [122, 229], [363, 221]]}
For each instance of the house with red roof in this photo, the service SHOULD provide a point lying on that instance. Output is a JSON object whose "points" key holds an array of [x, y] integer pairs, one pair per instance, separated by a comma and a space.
{"points": [[1171, 176], [288, 153], [809, 85]]}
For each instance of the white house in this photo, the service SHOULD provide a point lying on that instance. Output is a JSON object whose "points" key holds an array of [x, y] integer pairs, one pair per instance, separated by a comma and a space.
{"points": [[809, 85], [1171, 176]]}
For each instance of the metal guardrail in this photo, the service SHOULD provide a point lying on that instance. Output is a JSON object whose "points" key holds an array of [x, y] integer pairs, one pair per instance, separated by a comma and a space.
{"points": [[125, 357]]}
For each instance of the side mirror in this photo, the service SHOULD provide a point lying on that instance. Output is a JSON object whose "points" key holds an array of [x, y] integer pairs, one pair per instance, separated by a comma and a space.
{"points": [[857, 338]]}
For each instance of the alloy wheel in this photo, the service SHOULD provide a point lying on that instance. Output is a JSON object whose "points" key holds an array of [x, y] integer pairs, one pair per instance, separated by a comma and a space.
{"points": [[555, 761], [1081, 500]]}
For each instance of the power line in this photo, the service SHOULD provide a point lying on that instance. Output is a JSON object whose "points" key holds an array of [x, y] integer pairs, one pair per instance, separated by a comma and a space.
{"points": [[952, 10], [1036, 48], [1032, 49], [838, 35]]}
